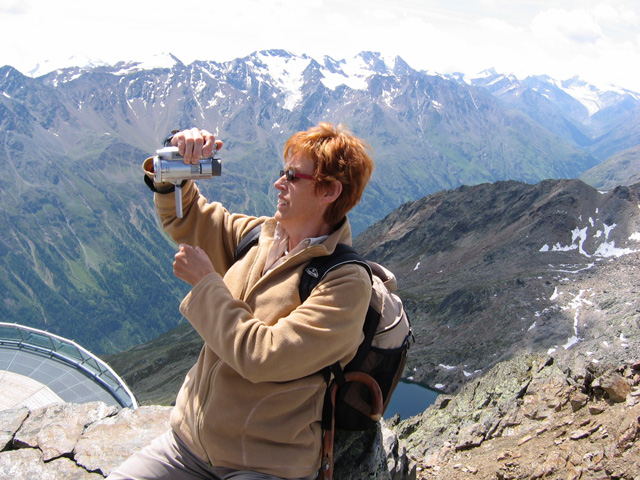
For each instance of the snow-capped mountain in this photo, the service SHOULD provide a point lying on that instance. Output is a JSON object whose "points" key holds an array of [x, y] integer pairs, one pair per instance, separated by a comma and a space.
{"points": [[595, 98], [573, 108], [255, 102], [592, 97], [600, 118], [280, 64], [75, 62], [604, 119], [258, 100], [48, 66]]}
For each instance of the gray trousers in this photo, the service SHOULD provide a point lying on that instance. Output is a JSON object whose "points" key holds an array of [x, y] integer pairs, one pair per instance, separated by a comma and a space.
{"points": [[167, 458]]}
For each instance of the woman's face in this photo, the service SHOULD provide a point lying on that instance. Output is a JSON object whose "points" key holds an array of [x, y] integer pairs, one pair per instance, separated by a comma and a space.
{"points": [[298, 202]]}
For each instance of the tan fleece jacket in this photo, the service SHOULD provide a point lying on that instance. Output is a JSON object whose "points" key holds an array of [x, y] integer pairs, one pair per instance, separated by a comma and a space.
{"points": [[254, 398]]}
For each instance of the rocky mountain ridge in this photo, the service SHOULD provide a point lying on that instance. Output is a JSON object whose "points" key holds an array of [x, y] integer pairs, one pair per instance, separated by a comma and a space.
{"points": [[492, 271], [353, 72]]}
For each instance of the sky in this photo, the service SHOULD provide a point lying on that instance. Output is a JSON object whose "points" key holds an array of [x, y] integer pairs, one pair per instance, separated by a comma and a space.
{"points": [[597, 40]]}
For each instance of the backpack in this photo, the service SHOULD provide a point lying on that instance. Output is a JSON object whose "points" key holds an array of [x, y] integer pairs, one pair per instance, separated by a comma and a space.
{"points": [[383, 352]]}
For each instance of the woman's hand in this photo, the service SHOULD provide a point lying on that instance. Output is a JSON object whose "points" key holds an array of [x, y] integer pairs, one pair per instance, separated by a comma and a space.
{"points": [[191, 264], [195, 144]]}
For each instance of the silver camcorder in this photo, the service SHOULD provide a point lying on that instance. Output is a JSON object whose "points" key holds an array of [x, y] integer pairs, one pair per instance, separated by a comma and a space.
{"points": [[168, 166]]}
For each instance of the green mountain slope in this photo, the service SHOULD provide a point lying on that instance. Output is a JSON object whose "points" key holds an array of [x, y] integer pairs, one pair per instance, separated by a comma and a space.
{"points": [[621, 169], [81, 253]]}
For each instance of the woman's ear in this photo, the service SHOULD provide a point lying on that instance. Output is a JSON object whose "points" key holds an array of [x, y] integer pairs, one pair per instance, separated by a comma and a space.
{"points": [[332, 191]]}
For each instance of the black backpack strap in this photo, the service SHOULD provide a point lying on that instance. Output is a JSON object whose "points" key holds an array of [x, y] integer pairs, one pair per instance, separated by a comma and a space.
{"points": [[312, 274], [248, 241], [315, 271], [317, 268], [369, 329]]}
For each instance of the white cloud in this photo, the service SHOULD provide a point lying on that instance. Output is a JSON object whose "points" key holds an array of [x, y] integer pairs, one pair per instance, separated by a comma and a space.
{"points": [[13, 7], [587, 41], [499, 26], [557, 25], [596, 39], [615, 15]]}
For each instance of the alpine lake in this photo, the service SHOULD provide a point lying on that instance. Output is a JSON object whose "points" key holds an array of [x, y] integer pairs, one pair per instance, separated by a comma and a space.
{"points": [[409, 399]]}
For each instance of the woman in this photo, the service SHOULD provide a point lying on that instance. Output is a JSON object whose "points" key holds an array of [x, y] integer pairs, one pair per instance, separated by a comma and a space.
{"points": [[251, 406]]}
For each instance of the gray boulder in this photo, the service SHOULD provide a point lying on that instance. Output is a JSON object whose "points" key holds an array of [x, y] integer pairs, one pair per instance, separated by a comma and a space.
{"points": [[87, 441]]}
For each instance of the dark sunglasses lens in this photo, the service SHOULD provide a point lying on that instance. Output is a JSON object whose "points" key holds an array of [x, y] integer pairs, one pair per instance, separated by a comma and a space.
{"points": [[290, 174]]}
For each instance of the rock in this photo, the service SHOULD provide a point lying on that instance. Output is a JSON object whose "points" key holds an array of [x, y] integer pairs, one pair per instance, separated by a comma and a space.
{"points": [[71, 441], [27, 464], [56, 429], [129, 430], [74, 441], [471, 436], [552, 463], [375, 455], [10, 422], [578, 400], [597, 408], [524, 439], [629, 429], [483, 409], [616, 387], [579, 434], [547, 429]]}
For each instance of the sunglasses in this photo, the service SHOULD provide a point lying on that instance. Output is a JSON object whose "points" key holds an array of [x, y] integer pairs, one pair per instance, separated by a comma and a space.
{"points": [[292, 175]]}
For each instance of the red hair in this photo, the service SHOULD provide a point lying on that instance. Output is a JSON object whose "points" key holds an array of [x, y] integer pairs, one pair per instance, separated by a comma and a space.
{"points": [[337, 155]]}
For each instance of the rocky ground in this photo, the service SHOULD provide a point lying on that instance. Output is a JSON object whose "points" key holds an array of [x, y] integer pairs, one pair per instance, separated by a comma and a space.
{"points": [[74, 442], [531, 421], [529, 418]]}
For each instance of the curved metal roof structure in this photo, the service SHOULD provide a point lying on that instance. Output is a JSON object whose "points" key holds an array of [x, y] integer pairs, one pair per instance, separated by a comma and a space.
{"points": [[38, 368]]}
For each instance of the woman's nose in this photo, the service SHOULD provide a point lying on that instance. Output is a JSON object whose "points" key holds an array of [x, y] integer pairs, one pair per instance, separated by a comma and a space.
{"points": [[280, 183]]}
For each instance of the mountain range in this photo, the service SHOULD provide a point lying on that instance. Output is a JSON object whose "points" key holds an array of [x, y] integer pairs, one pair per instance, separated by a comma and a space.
{"points": [[82, 253]]}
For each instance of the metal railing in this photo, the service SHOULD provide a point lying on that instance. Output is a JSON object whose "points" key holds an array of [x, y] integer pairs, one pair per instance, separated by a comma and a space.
{"points": [[22, 337]]}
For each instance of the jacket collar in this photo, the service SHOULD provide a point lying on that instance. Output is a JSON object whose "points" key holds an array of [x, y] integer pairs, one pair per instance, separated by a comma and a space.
{"points": [[278, 250]]}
